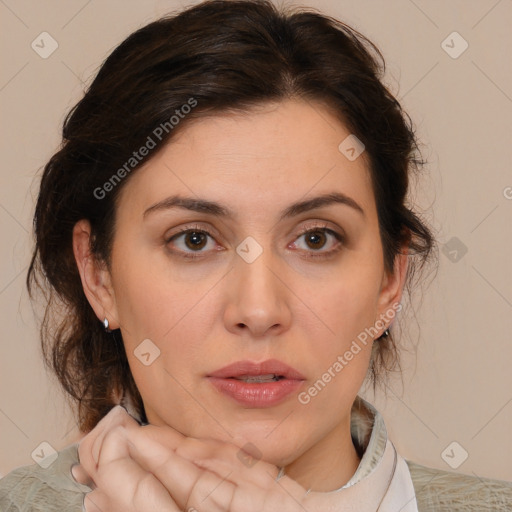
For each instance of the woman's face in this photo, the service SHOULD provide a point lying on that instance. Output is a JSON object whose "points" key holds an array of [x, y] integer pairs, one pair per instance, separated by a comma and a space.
{"points": [[249, 286]]}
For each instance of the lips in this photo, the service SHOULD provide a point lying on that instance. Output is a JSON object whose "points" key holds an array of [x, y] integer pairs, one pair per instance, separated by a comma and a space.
{"points": [[257, 385], [241, 369]]}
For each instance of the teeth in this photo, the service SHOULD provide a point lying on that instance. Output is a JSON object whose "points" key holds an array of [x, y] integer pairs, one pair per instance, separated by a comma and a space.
{"points": [[271, 377]]}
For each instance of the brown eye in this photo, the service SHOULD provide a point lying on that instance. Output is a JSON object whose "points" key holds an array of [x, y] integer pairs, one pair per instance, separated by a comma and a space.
{"points": [[195, 239], [190, 243], [319, 242], [315, 239]]}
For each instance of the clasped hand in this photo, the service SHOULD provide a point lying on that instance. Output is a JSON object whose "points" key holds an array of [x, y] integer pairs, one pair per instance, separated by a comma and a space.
{"points": [[151, 468]]}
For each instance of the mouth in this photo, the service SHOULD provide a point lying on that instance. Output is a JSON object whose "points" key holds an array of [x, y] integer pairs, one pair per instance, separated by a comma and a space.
{"points": [[257, 385], [271, 377], [271, 369]]}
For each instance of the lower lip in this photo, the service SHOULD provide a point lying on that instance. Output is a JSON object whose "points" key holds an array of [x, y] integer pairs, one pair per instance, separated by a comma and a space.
{"points": [[260, 395]]}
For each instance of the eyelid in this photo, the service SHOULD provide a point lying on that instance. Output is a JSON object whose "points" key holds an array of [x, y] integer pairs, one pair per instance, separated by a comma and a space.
{"points": [[195, 226], [210, 230], [320, 224]]}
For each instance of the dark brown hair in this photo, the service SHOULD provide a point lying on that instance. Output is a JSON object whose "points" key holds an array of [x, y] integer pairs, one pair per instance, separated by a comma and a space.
{"points": [[224, 56]]}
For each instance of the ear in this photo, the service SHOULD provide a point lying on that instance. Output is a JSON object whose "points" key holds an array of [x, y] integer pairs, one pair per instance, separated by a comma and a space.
{"points": [[391, 289], [96, 279]]}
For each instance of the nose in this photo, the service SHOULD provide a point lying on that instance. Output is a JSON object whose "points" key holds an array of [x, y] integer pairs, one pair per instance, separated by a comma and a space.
{"points": [[258, 298]]}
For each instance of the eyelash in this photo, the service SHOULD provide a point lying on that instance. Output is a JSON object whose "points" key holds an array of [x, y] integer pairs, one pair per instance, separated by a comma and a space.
{"points": [[310, 229]]}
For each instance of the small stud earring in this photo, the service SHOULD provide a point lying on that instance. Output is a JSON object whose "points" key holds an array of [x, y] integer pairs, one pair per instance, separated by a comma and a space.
{"points": [[105, 325], [385, 334]]}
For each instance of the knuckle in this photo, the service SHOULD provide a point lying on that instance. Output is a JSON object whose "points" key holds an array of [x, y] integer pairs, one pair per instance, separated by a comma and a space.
{"points": [[207, 491], [115, 436], [113, 417], [143, 488], [112, 446], [119, 416]]}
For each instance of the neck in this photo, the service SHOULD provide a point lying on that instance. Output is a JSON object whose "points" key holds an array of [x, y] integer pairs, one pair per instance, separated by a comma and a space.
{"points": [[329, 464]]}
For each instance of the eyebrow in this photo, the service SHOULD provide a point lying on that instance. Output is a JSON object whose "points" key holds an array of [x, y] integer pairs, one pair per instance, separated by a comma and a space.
{"points": [[218, 210]]}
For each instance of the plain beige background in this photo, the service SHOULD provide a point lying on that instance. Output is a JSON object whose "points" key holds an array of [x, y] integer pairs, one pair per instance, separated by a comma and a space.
{"points": [[457, 382]]}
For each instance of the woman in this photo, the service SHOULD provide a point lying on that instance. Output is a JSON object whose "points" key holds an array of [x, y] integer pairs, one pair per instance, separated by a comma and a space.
{"points": [[226, 240]]}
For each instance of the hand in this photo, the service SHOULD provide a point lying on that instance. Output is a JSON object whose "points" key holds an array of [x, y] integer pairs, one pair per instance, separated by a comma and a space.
{"points": [[118, 482], [148, 468]]}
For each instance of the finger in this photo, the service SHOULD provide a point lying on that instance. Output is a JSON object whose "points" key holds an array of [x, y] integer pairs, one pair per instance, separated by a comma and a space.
{"points": [[178, 475], [221, 457], [227, 455], [81, 476], [89, 449], [191, 487], [227, 495], [87, 442], [133, 488], [266, 500], [125, 486], [113, 447], [261, 474], [96, 501], [115, 418], [211, 493], [209, 451]]}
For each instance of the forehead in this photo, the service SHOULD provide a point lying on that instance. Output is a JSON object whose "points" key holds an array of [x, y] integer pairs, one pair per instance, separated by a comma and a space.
{"points": [[255, 160]]}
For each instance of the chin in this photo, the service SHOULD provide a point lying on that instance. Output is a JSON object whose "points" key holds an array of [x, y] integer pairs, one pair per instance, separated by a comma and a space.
{"points": [[269, 443]]}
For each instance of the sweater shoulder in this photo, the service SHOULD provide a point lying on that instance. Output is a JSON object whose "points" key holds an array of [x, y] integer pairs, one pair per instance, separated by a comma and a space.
{"points": [[36, 488], [438, 490]]}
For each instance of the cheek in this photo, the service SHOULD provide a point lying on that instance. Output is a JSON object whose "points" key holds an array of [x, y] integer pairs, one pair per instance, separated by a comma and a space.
{"points": [[176, 315], [346, 303], [342, 349], [155, 299]]}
